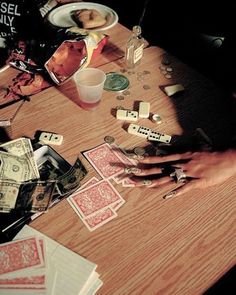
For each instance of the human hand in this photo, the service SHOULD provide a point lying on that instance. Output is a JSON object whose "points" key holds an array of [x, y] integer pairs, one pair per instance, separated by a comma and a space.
{"points": [[202, 169]]}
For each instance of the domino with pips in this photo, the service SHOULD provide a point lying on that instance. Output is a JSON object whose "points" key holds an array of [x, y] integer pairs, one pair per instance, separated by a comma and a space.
{"points": [[139, 130], [126, 115], [161, 137], [51, 138]]}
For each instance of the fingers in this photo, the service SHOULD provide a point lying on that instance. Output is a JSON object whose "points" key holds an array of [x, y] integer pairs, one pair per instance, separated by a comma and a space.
{"points": [[163, 159], [140, 181], [143, 172], [188, 186]]}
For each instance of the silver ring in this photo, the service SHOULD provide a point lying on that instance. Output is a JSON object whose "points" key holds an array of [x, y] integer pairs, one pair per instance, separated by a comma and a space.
{"points": [[179, 175]]}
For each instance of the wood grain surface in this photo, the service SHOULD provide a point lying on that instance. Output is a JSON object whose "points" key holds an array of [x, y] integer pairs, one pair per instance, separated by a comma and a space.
{"points": [[155, 246]]}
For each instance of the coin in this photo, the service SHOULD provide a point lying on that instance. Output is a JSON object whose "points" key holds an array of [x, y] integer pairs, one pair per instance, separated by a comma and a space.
{"points": [[168, 76], [146, 72], [120, 97], [169, 69], [109, 139], [126, 92], [156, 118], [146, 87], [116, 82], [139, 151]]}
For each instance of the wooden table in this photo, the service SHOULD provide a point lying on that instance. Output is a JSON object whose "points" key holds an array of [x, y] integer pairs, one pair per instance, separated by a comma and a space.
{"points": [[177, 246]]}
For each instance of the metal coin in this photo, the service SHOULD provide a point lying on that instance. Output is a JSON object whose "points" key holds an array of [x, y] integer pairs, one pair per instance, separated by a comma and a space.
{"points": [[109, 139], [169, 69], [116, 82], [120, 97], [139, 151], [146, 87], [156, 119], [168, 76], [126, 92]]}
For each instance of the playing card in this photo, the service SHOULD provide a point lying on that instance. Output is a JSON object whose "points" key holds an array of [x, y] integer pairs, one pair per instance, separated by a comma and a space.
{"points": [[90, 182], [98, 219], [20, 255], [128, 182], [29, 282], [105, 161], [94, 198]]}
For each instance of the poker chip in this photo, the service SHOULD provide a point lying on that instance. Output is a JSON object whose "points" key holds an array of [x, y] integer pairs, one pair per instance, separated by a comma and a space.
{"points": [[116, 82]]}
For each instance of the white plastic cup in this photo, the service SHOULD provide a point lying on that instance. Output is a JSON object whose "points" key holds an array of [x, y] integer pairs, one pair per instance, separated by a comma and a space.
{"points": [[89, 83]]}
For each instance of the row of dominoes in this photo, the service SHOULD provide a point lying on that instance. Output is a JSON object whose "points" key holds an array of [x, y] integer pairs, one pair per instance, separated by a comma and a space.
{"points": [[148, 133], [144, 109]]}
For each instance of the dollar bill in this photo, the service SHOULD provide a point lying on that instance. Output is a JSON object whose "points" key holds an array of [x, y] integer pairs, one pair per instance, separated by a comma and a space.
{"points": [[15, 168], [8, 195], [35, 196], [22, 147], [70, 181]]}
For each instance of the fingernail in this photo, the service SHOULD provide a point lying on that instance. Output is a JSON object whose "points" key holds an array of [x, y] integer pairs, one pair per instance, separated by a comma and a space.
{"points": [[170, 195], [147, 182]]}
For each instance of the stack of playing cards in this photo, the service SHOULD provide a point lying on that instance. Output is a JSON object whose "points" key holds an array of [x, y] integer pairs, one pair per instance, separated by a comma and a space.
{"points": [[24, 267], [97, 201], [35, 264], [109, 161]]}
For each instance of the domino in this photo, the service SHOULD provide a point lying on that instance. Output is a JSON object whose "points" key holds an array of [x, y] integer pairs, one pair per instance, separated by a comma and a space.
{"points": [[139, 130], [144, 109], [51, 138], [156, 136], [127, 115], [172, 89]]}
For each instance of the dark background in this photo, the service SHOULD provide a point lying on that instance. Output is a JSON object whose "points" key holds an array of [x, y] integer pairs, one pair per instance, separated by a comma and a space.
{"points": [[184, 29]]}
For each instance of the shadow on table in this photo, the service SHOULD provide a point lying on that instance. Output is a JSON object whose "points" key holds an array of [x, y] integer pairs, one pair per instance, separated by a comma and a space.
{"points": [[204, 105]]}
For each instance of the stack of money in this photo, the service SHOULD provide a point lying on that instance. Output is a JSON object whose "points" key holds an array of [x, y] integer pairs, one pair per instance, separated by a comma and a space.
{"points": [[23, 184]]}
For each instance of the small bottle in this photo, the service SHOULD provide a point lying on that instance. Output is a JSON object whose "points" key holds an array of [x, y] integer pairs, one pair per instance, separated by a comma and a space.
{"points": [[134, 48]]}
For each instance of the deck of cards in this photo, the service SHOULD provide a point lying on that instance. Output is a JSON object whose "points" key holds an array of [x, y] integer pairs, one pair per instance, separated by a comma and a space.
{"points": [[24, 267], [97, 201], [35, 264]]}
